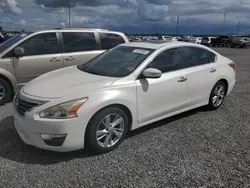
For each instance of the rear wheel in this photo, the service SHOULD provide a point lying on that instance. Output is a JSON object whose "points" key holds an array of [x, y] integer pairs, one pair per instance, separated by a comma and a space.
{"points": [[217, 95], [6, 92], [243, 46], [106, 130]]}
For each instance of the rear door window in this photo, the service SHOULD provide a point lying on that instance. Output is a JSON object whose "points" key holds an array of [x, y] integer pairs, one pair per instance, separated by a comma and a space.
{"points": [[195, 56], [109, 40], [79, 41]]}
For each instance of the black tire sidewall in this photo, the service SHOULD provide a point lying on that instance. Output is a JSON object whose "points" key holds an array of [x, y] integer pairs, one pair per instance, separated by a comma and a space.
{"points": [[8, 91], [211, 105], [90, 135]]}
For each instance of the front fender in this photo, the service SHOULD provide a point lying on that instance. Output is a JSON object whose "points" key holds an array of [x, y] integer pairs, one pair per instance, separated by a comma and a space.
{"points": [[10, 77], [101, 99]]}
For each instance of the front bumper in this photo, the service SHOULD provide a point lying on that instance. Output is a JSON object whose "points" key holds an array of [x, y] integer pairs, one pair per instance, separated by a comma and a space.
{"points": [[31, 127]]}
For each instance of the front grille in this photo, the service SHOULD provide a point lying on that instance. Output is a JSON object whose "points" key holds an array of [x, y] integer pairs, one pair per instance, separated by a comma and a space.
{"points": [[23, 106]]}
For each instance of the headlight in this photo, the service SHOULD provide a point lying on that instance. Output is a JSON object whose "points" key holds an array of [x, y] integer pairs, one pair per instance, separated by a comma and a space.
{"points": [[65, 110]]}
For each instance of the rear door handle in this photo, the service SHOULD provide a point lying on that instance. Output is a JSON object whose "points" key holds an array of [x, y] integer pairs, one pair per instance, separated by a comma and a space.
{"points": [[54, 59], [213, 70], [70, 58], [182, 79]]}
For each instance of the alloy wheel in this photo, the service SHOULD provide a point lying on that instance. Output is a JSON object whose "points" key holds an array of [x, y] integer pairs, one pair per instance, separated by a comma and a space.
{"points": [[218, 95], [2, 92], [110, 130]]}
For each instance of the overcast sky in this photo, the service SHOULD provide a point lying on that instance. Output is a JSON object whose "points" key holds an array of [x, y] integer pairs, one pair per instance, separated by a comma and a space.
{"points": [[133, 16]]}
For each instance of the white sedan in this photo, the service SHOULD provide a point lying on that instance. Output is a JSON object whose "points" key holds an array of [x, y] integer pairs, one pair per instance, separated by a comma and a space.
{"points": [[94, 105]]}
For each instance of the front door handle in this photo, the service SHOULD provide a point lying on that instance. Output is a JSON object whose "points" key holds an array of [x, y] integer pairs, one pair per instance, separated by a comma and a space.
{"points": [[54, 59], [182, 79], [70, 58], [213, 70]]}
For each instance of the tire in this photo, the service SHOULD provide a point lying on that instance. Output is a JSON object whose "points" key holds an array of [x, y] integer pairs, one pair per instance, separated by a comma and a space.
{"points": [[96, 123], [6, 92], [243, 46], [215, 104]]}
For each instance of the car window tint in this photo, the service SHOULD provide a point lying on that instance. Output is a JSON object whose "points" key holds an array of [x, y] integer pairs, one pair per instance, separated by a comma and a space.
{"points": [[195, 56], [109, 40], [169, 60], [41, 44], [79, 41]]}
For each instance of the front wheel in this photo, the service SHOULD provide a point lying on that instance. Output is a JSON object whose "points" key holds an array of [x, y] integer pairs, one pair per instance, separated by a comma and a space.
{"points": [[217, 95], [106, 130], [6, 92]]}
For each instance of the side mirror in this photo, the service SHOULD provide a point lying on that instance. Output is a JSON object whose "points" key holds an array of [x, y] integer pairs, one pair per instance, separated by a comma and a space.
{"points": [[152, 73], [19, 52]]}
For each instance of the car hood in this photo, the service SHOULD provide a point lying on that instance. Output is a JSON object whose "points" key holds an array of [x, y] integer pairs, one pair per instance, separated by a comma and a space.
{"points": [[64, 82]]}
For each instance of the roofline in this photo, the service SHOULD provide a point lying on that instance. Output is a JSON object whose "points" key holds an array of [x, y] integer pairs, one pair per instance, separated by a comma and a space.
{"points": [[75, 29]]}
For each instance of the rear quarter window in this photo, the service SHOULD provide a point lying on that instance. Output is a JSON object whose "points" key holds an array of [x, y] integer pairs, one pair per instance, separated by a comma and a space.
{"points": [[211, 56]]}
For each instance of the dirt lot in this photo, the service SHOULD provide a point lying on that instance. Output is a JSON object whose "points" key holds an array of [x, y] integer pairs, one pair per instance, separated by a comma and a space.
{"points": [[196, 149]]}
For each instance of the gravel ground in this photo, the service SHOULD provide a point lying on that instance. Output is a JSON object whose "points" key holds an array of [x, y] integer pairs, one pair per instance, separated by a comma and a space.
{"points": [[195, 149]]}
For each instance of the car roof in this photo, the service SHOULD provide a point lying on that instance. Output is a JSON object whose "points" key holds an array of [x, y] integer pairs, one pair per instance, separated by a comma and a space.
{"points": [[158, 44], [76, 30]]}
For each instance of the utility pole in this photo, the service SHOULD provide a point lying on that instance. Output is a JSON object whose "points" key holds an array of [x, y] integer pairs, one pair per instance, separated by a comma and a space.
{"points": [[177, 25], [69, 16], [238, 30], [224, 21]]}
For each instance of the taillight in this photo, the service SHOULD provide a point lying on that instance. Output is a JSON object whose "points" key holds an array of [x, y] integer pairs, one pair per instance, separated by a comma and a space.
{"points": [[232, 65]]}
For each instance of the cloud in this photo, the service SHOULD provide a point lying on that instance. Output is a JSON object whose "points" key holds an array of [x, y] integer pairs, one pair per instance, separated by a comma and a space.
{"points": [[22, 22], [63, 24], [159, 2], [10, 6], [128, 15]]}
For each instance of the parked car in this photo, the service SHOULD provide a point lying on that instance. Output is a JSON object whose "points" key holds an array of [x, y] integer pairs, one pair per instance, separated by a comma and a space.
{"points": [[176, 38], [240, 42], [30, 54], [195, 40], [223, 41], [2, 39], [206, 41], [164, 38], [94, 105]]}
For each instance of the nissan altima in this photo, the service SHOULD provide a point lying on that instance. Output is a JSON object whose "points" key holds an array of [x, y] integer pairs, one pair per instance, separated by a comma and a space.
{"points": [[95, 104]]}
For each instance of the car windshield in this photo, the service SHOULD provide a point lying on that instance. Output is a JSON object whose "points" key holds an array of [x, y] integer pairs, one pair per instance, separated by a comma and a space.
{"points": [[13, 40], [117, 62]]}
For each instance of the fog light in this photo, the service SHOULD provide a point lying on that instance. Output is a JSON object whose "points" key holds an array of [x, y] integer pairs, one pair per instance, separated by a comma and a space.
{"points": [[53, 139]]}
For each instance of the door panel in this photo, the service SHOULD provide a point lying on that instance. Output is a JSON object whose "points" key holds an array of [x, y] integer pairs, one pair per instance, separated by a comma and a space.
{"points": [[167, 94], [29, 67], [202, 74], [158, 97], [200, 80], [41, 56]]}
